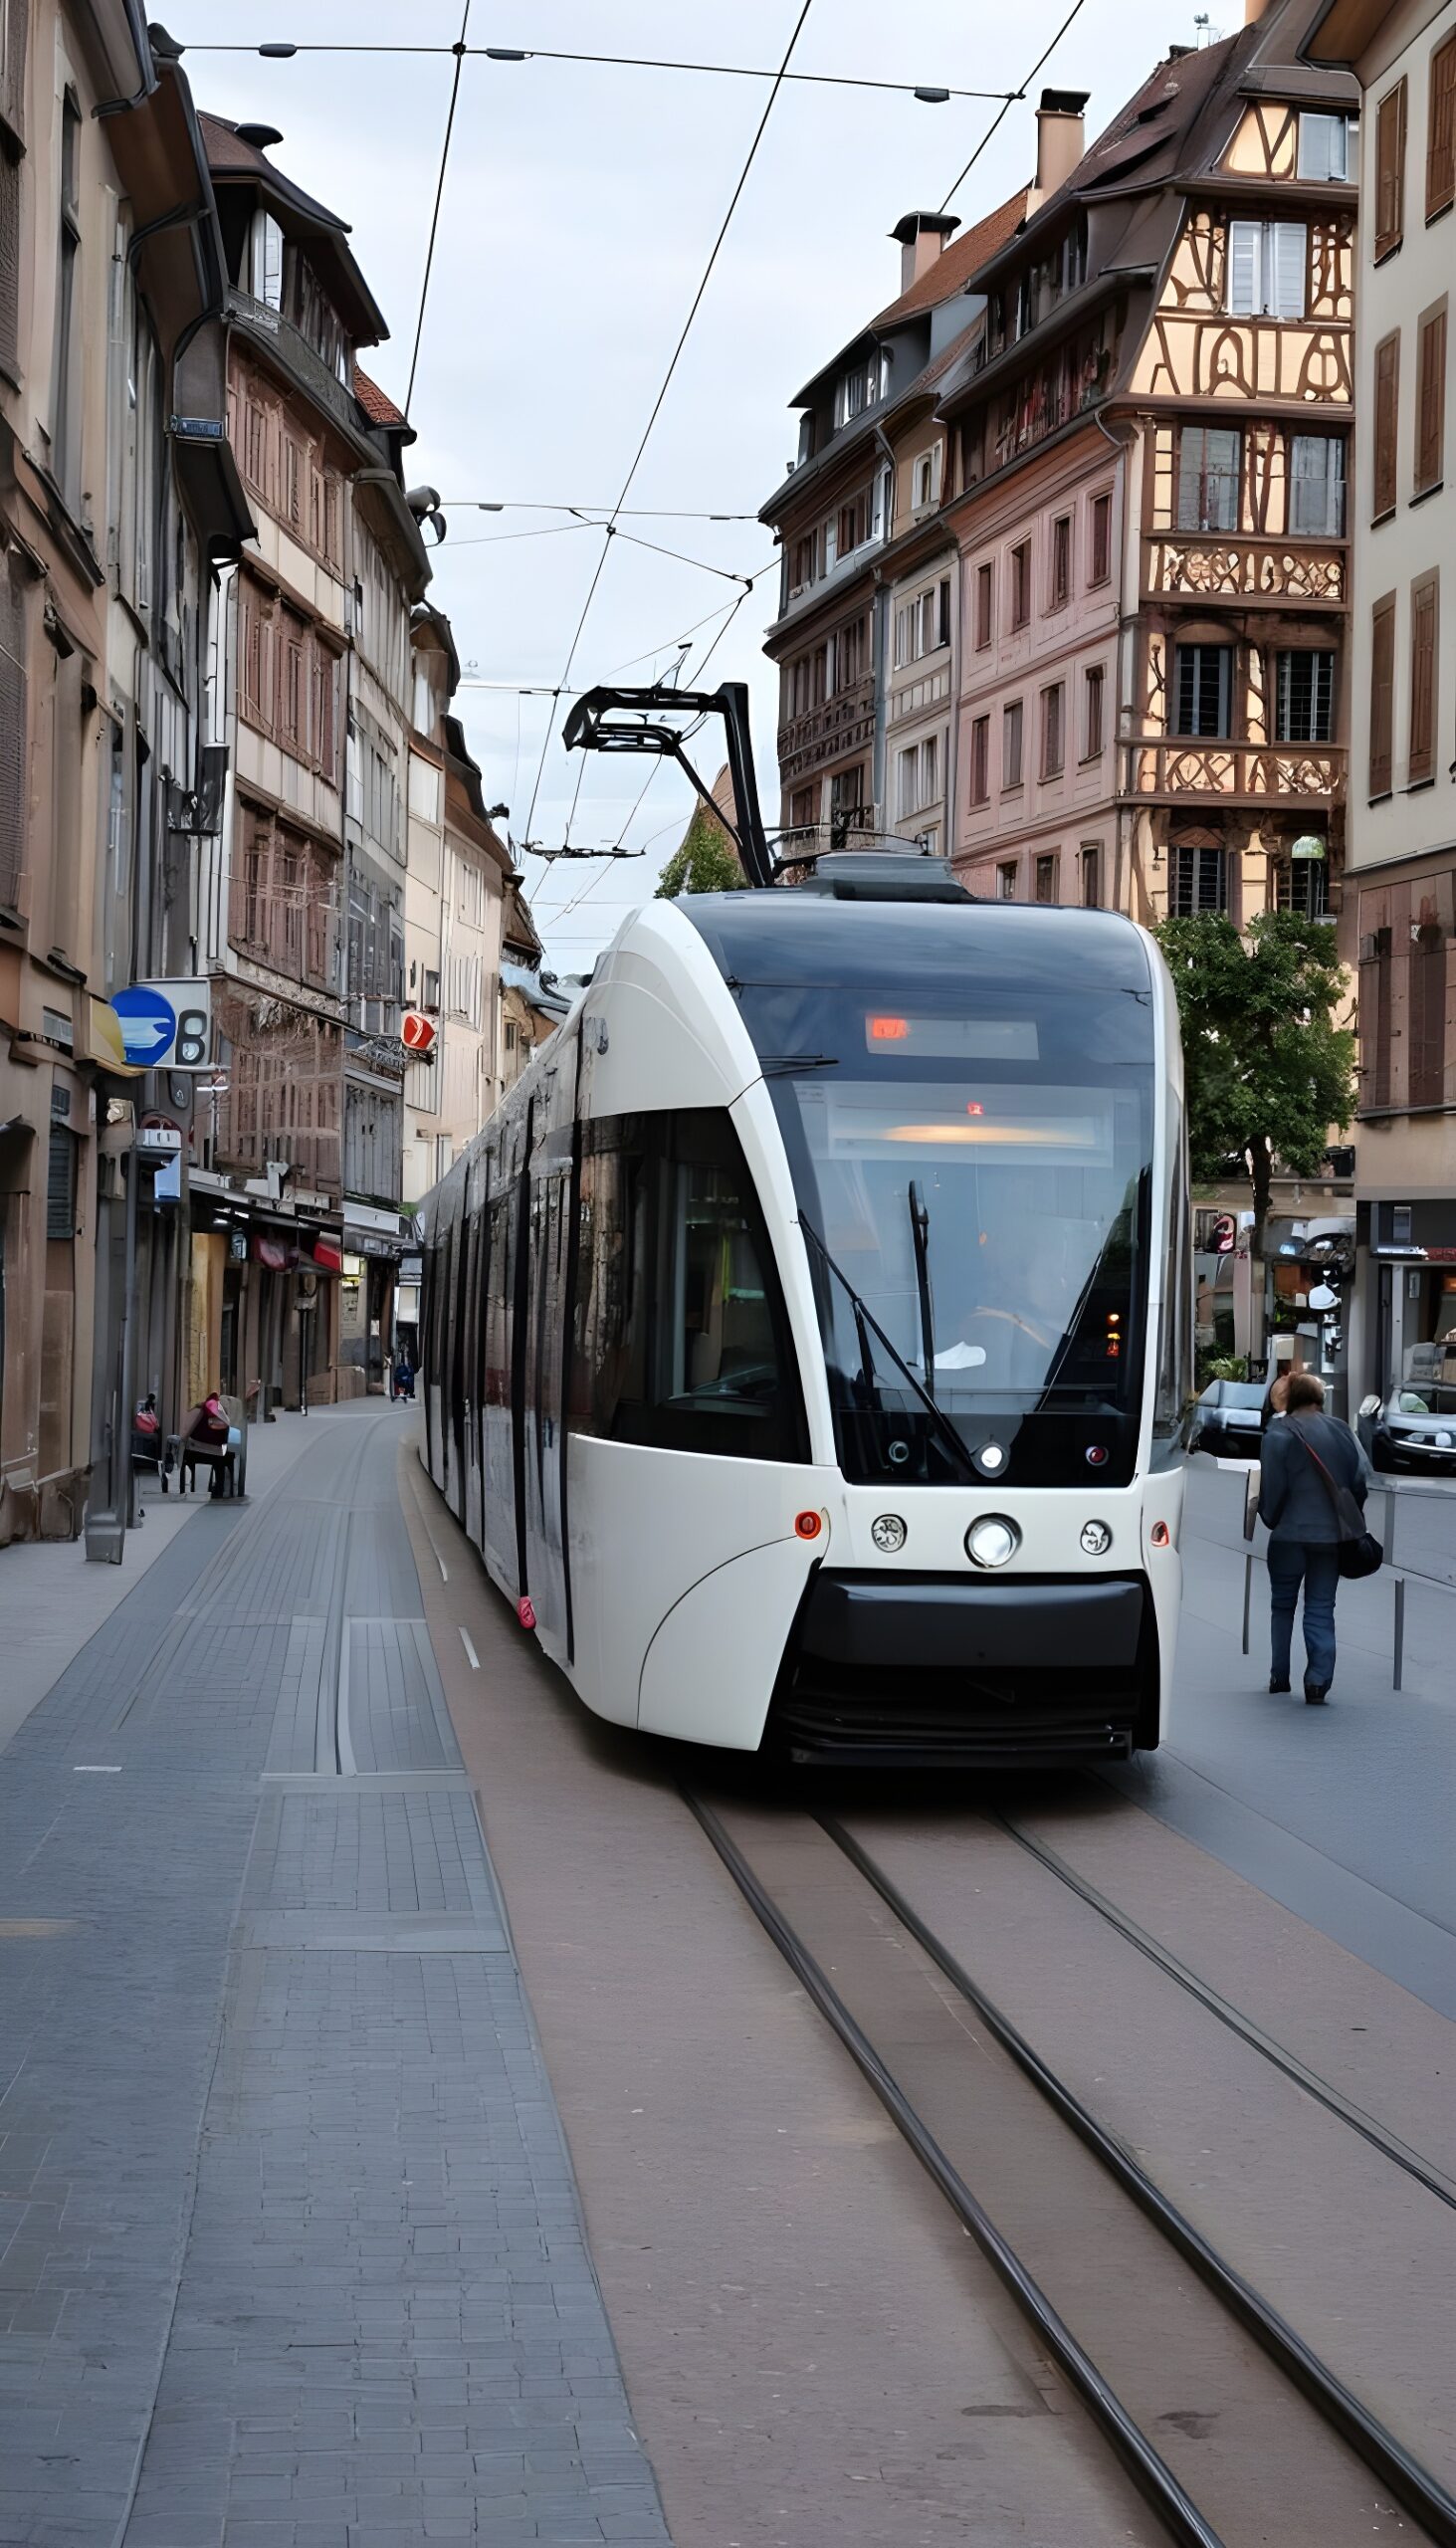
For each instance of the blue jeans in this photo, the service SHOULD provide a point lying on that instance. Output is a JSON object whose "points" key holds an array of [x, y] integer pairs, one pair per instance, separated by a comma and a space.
{"points": [[1316, 1565]]}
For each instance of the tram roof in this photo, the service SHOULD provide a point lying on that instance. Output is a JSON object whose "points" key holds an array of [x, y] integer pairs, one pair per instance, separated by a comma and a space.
{"points": [[791, 937]]}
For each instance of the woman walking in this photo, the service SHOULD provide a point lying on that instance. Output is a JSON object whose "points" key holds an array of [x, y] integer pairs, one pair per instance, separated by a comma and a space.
{"points": [[1302, 1462]]}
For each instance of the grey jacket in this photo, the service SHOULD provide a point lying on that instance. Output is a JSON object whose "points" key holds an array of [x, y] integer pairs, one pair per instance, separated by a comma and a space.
{"points": [[1294, 1499]]}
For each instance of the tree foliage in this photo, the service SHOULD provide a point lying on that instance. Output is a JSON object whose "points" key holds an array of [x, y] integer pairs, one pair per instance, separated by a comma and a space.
{"points": [[1268, 1070], [706, 862]]}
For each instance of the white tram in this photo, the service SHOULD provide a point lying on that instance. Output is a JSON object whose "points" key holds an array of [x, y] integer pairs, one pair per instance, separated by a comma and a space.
{"points": [[806, 1339]]}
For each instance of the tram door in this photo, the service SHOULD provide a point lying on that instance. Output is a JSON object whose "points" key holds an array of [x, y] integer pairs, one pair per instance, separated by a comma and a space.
{"points": [[544, 1443]]}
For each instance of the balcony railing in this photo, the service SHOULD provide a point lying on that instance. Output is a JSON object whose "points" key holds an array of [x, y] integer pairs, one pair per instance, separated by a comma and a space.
{"points": [[1225, 566], [1172, 768], [309, 368], [831, 727]]}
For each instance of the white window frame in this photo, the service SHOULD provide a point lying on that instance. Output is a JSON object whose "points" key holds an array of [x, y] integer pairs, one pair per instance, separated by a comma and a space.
{"points": [[265, 277], [1323, 138], [1262, 257]]}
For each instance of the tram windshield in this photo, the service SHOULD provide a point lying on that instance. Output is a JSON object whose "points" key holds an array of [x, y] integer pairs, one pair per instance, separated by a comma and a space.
{"points": [[972, 1151]]}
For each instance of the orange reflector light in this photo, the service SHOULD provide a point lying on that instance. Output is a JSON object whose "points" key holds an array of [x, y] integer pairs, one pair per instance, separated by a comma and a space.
{"points": [[1160, 1535], [888, 1030], [807, 1526]]}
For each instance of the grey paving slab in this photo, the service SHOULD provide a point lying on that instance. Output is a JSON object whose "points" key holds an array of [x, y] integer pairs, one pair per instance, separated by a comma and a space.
{"points": [[290, 2251]]}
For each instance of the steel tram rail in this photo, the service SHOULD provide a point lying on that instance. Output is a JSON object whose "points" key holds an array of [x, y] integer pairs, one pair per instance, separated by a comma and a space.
{"points": [[1376, 2134], [1420, 2493]]}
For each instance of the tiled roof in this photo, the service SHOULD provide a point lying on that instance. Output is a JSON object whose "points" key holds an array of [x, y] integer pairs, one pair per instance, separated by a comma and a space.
{"points": [[960, 258], [377, 404], [228, 152]]}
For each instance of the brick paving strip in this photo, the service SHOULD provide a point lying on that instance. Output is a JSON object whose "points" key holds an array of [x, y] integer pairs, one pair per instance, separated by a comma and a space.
{"points": [[290, 2251]]}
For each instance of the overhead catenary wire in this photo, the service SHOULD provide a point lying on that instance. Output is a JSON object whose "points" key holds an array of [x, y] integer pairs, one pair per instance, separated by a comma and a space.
{"points": [[928, 93], [1011, 97], [459, 53], [670, 374]]}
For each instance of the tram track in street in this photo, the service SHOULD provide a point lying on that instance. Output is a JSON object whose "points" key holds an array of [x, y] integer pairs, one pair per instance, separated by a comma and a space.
{"points": [[1231, 2426], [1237, 2021]]}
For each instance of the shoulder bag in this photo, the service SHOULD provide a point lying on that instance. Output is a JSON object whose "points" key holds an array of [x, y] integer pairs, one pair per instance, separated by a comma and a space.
{"points": [[1360, 1553]]}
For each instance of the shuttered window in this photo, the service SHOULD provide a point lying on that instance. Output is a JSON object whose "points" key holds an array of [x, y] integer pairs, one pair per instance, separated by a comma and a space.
{"points": [[1424, 607], [1052, 748], [1387, 425], [1431, 401], [1441, 136], [1426, 1011], [1382, 693], [1268, 262], [12, 731], [1390, 170], [982, 606], [61, 1184], [13, 15], [1012, 745], [981, 760], [9, 257]]}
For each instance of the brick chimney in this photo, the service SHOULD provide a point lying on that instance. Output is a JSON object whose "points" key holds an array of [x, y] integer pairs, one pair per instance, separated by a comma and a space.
{"points": [[1060, 140], [922, 235]]}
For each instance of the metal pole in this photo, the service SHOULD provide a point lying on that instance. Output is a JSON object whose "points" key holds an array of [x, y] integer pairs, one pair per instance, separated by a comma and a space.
{"points": [[129, 1350], [1399, 1657], [1248, 1597]]}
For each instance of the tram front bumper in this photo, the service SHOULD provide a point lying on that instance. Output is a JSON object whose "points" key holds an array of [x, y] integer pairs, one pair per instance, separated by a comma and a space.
{"points": [[941, 1668]]}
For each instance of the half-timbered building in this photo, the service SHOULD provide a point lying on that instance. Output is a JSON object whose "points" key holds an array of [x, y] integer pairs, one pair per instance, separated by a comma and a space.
{"points": [[866, 619], [1151, 450]]}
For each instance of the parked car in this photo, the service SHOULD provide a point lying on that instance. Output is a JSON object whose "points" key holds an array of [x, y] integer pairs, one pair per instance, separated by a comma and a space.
{"points": [[1412, 1427], [1229, 1419]]}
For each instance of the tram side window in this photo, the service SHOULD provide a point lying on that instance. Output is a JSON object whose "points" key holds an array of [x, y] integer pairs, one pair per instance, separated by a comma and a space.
{"points": [[681, 1337]]}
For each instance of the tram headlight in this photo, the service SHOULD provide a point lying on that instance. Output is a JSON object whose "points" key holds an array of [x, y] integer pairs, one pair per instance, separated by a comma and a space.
{"points": [[989, 1458], [992, 1540], [887, 1533], [1097, 1538]]}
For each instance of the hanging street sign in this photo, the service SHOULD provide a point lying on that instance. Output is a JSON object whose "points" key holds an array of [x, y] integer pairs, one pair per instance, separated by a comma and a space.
{"points": [[417, 1033], [166, 1025]]}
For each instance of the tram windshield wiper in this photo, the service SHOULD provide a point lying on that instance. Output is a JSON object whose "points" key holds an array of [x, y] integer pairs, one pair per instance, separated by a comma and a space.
{"points": [[864, 1320], [920, 1230], [781, 1065]]}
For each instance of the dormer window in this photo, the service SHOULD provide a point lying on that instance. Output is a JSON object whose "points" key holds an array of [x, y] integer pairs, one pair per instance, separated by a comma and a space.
{"points": [[858, 389], [1324, 147], [265, 278]]}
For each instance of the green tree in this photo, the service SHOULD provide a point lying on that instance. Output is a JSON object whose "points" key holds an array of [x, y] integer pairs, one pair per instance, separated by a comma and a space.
{"points": [[1267, 1069], [705, 863]]}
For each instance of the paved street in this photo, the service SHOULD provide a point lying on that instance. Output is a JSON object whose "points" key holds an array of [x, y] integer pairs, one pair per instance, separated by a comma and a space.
{"points": [[293, 2253]]}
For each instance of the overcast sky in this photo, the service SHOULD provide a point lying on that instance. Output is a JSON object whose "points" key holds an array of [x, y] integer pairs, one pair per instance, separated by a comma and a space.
{"points": [[580, 205]]}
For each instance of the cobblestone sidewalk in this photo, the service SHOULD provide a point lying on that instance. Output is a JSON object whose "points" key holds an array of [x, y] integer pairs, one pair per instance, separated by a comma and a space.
{"points": [[291, 2254]]}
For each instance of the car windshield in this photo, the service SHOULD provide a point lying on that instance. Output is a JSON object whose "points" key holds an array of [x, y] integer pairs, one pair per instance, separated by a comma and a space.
{"points": [[1427, 1384]]}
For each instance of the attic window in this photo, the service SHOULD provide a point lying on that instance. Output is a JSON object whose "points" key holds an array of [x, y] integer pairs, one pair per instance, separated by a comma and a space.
{"points": [[265, 277], [1159, 107]]}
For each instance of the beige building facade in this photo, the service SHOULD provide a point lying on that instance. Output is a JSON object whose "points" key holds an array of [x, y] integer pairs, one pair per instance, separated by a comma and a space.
{"points": [[1400, 908]]}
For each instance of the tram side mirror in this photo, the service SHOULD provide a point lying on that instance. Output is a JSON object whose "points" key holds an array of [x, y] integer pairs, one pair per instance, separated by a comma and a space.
{"points": [[1369, 1406]]}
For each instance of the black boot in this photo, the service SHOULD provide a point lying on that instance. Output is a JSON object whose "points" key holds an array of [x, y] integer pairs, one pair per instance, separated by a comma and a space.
{"points": [[1315, 1692], [1275, 1686]]}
